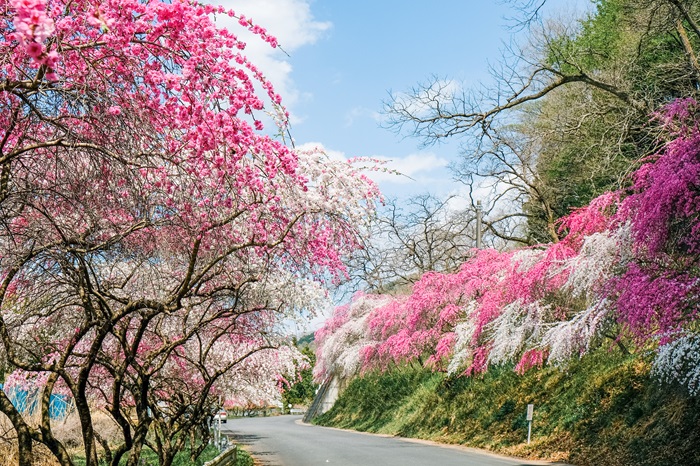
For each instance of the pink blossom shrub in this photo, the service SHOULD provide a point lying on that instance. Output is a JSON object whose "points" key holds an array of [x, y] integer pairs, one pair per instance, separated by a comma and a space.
{"points": [[626, 269]]}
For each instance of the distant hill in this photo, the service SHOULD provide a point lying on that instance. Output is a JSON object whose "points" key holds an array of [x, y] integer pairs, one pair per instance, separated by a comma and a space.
{"points": [[306, 341]]}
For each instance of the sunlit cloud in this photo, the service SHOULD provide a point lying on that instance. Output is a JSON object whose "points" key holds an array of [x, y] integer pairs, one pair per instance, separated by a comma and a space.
{"points": [[422, 167]]}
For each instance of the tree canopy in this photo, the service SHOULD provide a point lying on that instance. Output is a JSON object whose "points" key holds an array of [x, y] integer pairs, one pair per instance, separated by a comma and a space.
{"points": [[153, 235], [567, 116]]}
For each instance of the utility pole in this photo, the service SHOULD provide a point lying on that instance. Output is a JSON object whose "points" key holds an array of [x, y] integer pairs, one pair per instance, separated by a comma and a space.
{"points": [[479, 213]]}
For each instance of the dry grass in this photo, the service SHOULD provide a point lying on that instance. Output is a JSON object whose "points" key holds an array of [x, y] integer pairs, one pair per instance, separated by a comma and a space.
{"points": [[42, 456], [66, 430]]}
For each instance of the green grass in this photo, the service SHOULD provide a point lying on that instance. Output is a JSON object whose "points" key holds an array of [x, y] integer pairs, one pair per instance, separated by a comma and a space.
{"points": [[602, 409], [149, 457], [244, 458]]}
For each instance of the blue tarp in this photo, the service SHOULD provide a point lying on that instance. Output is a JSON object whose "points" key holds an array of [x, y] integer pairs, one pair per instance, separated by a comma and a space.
{"points": [[27, 402]]}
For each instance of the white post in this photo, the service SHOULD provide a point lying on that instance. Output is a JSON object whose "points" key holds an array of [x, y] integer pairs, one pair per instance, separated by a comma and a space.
{"points": [[218, 425], [217, 431], [528, 418]]}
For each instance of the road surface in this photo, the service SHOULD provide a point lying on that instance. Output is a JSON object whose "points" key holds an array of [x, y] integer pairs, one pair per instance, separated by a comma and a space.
{"points": [[285, 441]]}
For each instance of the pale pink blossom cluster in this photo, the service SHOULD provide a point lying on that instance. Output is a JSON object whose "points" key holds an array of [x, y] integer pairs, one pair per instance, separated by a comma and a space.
{"points": [[344, 336]]}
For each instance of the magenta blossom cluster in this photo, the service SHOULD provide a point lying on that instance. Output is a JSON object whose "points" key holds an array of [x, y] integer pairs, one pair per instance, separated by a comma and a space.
{"points": [[32, 27]]}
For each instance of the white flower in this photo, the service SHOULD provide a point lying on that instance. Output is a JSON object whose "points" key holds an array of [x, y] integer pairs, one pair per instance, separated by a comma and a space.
{"points": [[679, 361]]}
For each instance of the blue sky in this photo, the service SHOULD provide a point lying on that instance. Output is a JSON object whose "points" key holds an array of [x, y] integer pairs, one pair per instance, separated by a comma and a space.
{"points": [[343, 57]]}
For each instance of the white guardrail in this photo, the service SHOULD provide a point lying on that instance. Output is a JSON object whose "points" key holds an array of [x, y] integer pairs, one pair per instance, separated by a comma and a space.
{"points": [[227, 457]]}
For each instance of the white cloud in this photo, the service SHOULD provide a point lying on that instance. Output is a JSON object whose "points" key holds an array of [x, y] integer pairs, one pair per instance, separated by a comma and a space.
{"points": [[421, 167], [361, 112], [416, 167], [294, 26]]}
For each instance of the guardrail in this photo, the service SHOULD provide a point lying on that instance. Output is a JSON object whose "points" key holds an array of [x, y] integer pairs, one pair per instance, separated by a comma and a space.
{"points": [[228, 457]]}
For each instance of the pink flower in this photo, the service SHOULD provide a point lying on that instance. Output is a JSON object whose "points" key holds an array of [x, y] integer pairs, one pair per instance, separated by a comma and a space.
{"points": [[34, 49], [31, 21], [52, 58]]}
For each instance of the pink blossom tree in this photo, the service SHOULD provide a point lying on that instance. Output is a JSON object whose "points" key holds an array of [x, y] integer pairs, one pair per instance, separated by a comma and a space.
{"points": [[153, 236]]}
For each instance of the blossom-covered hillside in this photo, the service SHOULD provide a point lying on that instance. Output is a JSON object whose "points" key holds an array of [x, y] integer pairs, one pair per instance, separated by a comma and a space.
{"points": [[625, 275]]}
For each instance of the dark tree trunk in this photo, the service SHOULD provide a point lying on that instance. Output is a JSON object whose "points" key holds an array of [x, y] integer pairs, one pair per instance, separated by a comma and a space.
{"points": [[24, 433]]}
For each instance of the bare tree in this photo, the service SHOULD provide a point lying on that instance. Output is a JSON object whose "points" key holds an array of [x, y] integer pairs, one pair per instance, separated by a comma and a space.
{"points": [[409, 238], [500, 172], [572, 102]]}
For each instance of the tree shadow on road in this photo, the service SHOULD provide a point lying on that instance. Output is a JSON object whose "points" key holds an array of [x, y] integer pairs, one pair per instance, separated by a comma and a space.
{"points": [[250, 443]]}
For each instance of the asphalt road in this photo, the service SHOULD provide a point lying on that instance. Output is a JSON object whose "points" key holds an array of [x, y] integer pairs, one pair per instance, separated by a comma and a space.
{"points": [[285, 441]]}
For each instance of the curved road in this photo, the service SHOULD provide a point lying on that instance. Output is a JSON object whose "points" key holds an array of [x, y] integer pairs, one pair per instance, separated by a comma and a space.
{"points": [[285, 441]]}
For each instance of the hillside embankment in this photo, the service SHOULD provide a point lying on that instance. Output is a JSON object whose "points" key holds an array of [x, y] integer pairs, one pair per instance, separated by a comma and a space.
{"points": [[603, 409]]}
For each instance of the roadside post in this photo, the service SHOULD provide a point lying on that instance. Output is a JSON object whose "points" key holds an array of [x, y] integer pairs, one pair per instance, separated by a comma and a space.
{"points": [[528, 418], [217, 436]]}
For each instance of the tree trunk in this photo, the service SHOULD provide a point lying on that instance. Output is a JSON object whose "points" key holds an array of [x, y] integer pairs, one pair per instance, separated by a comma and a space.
{"points": [[140, 433], [88, 431], [24, 441], [24, 434], [47, 437], [692, 58]]}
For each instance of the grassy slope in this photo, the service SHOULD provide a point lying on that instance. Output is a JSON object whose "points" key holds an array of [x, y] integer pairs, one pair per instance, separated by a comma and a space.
{"points": [[601, 410]]}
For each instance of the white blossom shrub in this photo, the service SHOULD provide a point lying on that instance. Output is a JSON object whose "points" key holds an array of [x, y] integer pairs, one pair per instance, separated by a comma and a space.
{"points": [[573, 337], [678, 361], [519, 326], [464, 334]]}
